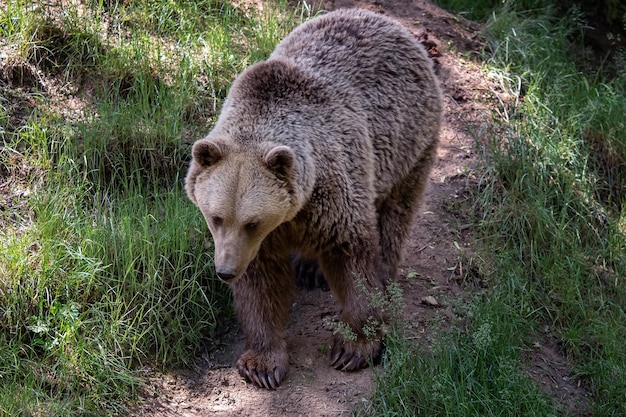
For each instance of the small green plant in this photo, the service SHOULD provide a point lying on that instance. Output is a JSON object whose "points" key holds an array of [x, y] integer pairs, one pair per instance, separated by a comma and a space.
{"points": [[57, 327], [340, 328], [388, 303]]}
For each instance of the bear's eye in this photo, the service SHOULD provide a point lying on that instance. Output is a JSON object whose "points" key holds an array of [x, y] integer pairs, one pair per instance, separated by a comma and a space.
{"points": [[217, 220], [251, 227]]}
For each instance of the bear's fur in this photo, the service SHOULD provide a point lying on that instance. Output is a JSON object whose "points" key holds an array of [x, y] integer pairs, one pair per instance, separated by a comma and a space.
{"points": [[324, 149]]}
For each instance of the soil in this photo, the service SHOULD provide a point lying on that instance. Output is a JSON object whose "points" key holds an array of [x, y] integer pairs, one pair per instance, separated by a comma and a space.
{"points": [[436, 253]]}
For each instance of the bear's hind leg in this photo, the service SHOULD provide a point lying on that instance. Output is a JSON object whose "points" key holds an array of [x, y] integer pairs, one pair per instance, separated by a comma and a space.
{"points": [[396, 212], [263, 296], [308, 273]]}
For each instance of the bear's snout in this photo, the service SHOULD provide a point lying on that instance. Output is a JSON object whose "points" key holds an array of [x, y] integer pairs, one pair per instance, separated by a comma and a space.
{"points": [[232, 254]]}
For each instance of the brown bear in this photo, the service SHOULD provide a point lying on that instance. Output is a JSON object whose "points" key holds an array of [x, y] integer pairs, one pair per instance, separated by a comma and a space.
{"points": [[324, 150]]}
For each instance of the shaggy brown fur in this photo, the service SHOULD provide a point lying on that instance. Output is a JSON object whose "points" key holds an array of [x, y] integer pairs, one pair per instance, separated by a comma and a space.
{"points": [[324, 149]]}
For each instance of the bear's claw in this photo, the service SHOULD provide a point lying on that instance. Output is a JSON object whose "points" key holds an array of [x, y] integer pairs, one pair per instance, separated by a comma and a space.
{"points": [[353, 356], [252, 370], [269, 380], [345, 360]]}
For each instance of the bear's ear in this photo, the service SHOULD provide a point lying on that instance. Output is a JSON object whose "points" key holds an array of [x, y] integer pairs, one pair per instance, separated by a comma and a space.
{"points": [[206, 153], [282, 162]]}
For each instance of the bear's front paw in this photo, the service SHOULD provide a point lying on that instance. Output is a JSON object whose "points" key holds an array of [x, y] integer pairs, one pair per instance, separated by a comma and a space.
{"points": [[265, 370], [352, 356]]}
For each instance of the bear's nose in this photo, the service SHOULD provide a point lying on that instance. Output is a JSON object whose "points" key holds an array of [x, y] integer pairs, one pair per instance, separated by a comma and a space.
{"points": [[225, 276]]}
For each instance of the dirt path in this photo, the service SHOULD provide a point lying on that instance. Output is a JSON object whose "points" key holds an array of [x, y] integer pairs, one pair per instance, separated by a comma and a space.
{"points": [[437, 239]]}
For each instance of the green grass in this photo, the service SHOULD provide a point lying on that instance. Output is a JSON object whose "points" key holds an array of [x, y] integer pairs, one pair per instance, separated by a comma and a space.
{"points": [[474, 371], [562, 166], [105, 265], [551, 223]]}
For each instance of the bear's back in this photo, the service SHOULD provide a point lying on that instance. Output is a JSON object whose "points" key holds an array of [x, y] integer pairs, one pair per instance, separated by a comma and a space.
{"points": [[385, 67], [353, 47]]}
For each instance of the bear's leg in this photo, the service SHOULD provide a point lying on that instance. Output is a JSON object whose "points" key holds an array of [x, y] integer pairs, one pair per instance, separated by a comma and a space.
{"points": [[396, 212], [308, 273], [353, 275], [263, 296]]}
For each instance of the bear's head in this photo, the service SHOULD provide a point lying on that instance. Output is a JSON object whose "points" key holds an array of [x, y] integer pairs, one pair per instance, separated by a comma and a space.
{"points": [[244, 194]]}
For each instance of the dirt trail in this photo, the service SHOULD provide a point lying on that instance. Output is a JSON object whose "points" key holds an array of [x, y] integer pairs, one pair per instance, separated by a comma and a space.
{"points": [[437, 239]]}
